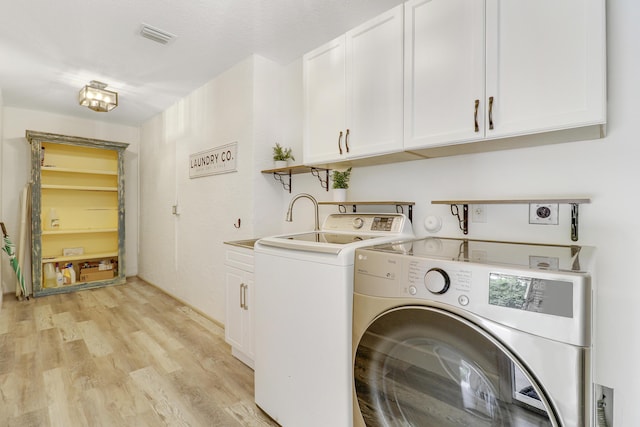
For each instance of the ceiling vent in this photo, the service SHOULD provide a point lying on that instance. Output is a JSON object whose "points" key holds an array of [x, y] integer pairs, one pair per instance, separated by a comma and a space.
{"points": [[156, 34]]}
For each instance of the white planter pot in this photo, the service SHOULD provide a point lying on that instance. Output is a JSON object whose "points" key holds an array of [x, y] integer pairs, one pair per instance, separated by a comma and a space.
{"points": [[279, 164], [339, 194]]}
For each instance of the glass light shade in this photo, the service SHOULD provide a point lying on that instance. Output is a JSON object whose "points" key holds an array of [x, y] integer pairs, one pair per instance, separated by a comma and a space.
{"points": [[97, 98]]}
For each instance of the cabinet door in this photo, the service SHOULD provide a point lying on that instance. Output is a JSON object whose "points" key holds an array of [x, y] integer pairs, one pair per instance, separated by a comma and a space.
{"points": [[374, 100], [239, 310], [324, 101], [545, 64], [233, 328], [444, 72], [353, 92], [248, 315]]}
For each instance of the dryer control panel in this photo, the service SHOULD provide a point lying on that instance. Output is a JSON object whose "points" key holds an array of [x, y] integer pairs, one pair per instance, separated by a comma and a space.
{"points": [[531, 294], [552, 304]]}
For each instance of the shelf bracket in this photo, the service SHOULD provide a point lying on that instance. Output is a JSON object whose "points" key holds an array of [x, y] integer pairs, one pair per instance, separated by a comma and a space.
{"points": [[463, 222], [280, 178], [323, 182], [342, 208], [574, 222]]}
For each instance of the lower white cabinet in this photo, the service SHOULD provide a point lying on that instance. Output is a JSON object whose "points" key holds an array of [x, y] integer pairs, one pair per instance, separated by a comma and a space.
{"points": [[239, 303]]}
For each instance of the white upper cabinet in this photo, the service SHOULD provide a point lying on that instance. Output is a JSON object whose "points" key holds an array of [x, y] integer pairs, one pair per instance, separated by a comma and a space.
{"points": [[444, 71], [492, 69], [324, 102], [546, 65], [353, 87]]}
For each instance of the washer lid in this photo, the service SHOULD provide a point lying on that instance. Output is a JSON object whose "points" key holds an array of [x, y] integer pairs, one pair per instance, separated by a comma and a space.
{"points": [[340, 231], [318, 241], [323, 242]]}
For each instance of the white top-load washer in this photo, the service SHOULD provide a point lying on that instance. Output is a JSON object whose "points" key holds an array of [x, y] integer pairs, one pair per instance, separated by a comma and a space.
{"points": [[303, 317]]}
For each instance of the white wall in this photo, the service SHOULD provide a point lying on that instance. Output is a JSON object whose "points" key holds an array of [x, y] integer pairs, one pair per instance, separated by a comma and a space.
{"points": [[16, 169], [605, 170], [184, 254]]}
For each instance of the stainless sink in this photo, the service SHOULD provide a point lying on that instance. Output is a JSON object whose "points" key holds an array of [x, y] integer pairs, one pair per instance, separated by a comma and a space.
{"points": [[248, 243]]}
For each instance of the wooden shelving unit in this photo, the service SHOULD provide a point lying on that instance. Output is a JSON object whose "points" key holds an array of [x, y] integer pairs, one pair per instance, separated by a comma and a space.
{"points": [[80, 182]]}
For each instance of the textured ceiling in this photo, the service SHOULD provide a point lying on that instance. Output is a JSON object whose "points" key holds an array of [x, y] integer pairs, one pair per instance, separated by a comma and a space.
{"points": [[49, 49]]}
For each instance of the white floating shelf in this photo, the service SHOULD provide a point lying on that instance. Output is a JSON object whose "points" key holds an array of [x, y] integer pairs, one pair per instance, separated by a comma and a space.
{"points": [[464, 221]]}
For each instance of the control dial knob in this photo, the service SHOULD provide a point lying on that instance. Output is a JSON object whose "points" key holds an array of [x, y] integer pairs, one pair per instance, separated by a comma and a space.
{"points": [[437, 281], [357, 223]]}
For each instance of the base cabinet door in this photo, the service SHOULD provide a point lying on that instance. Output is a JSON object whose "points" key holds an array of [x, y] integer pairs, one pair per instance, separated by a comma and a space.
{"points": [[239, 317]]}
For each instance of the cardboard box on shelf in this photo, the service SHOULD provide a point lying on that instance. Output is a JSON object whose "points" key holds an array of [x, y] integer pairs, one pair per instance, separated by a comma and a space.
{"points": [[102, 272]]}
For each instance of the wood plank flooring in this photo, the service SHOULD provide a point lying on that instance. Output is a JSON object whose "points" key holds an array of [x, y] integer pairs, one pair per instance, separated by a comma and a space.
{"points": [[125, 355]]}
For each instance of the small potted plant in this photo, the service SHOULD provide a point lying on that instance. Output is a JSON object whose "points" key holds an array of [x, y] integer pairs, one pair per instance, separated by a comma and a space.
{"points": [[340, 184], [281, 156]]}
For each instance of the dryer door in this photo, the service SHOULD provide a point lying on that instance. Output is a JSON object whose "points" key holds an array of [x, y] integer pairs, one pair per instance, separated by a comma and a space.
{"points": [[420, 366]]}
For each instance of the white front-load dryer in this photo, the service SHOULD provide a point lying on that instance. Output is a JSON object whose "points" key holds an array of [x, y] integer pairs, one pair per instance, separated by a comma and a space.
{"points": [[441, 339]]}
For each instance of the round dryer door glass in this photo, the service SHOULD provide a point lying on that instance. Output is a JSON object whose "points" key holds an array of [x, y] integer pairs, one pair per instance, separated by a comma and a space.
{"points": [[419, 366]]}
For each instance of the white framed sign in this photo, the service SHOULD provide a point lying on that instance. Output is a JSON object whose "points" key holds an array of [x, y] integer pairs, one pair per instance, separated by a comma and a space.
{"points": [[214, 161]]}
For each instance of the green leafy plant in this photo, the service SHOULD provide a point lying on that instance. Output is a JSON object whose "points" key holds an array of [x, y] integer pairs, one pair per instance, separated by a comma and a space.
{"points": [[341, 179], [282, 154]]}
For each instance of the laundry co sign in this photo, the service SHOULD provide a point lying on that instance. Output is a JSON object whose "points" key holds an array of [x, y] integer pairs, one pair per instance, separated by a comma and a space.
{"points": [[214, 161]]}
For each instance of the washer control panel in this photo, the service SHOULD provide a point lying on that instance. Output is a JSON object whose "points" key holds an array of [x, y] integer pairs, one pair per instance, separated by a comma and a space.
{"points": [[357, 222], [373, 223]]}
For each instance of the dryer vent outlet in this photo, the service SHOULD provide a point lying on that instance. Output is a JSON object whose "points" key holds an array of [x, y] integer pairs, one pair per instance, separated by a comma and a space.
{"points": [[602, 406]]}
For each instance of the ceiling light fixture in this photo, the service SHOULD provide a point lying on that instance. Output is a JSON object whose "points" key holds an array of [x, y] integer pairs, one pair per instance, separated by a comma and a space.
{"points": [[96, 97]]}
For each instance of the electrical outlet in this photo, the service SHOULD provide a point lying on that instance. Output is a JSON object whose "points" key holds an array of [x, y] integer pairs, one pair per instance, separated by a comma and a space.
{"points": [[543, 213], [478, 213]]}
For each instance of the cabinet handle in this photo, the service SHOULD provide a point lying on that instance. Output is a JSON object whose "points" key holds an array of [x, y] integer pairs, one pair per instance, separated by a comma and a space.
{"points": [[246, 306], [475, 116], [340, 142], [346, 140], [241, 295], [491, 112]]}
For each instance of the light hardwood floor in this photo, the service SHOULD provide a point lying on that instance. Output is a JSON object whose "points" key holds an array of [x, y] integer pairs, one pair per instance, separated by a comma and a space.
{"points": [[119, 356]]}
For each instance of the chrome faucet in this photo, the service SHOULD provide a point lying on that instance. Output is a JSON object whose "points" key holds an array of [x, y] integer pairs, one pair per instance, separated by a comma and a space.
{"points": [[289, 217]]}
